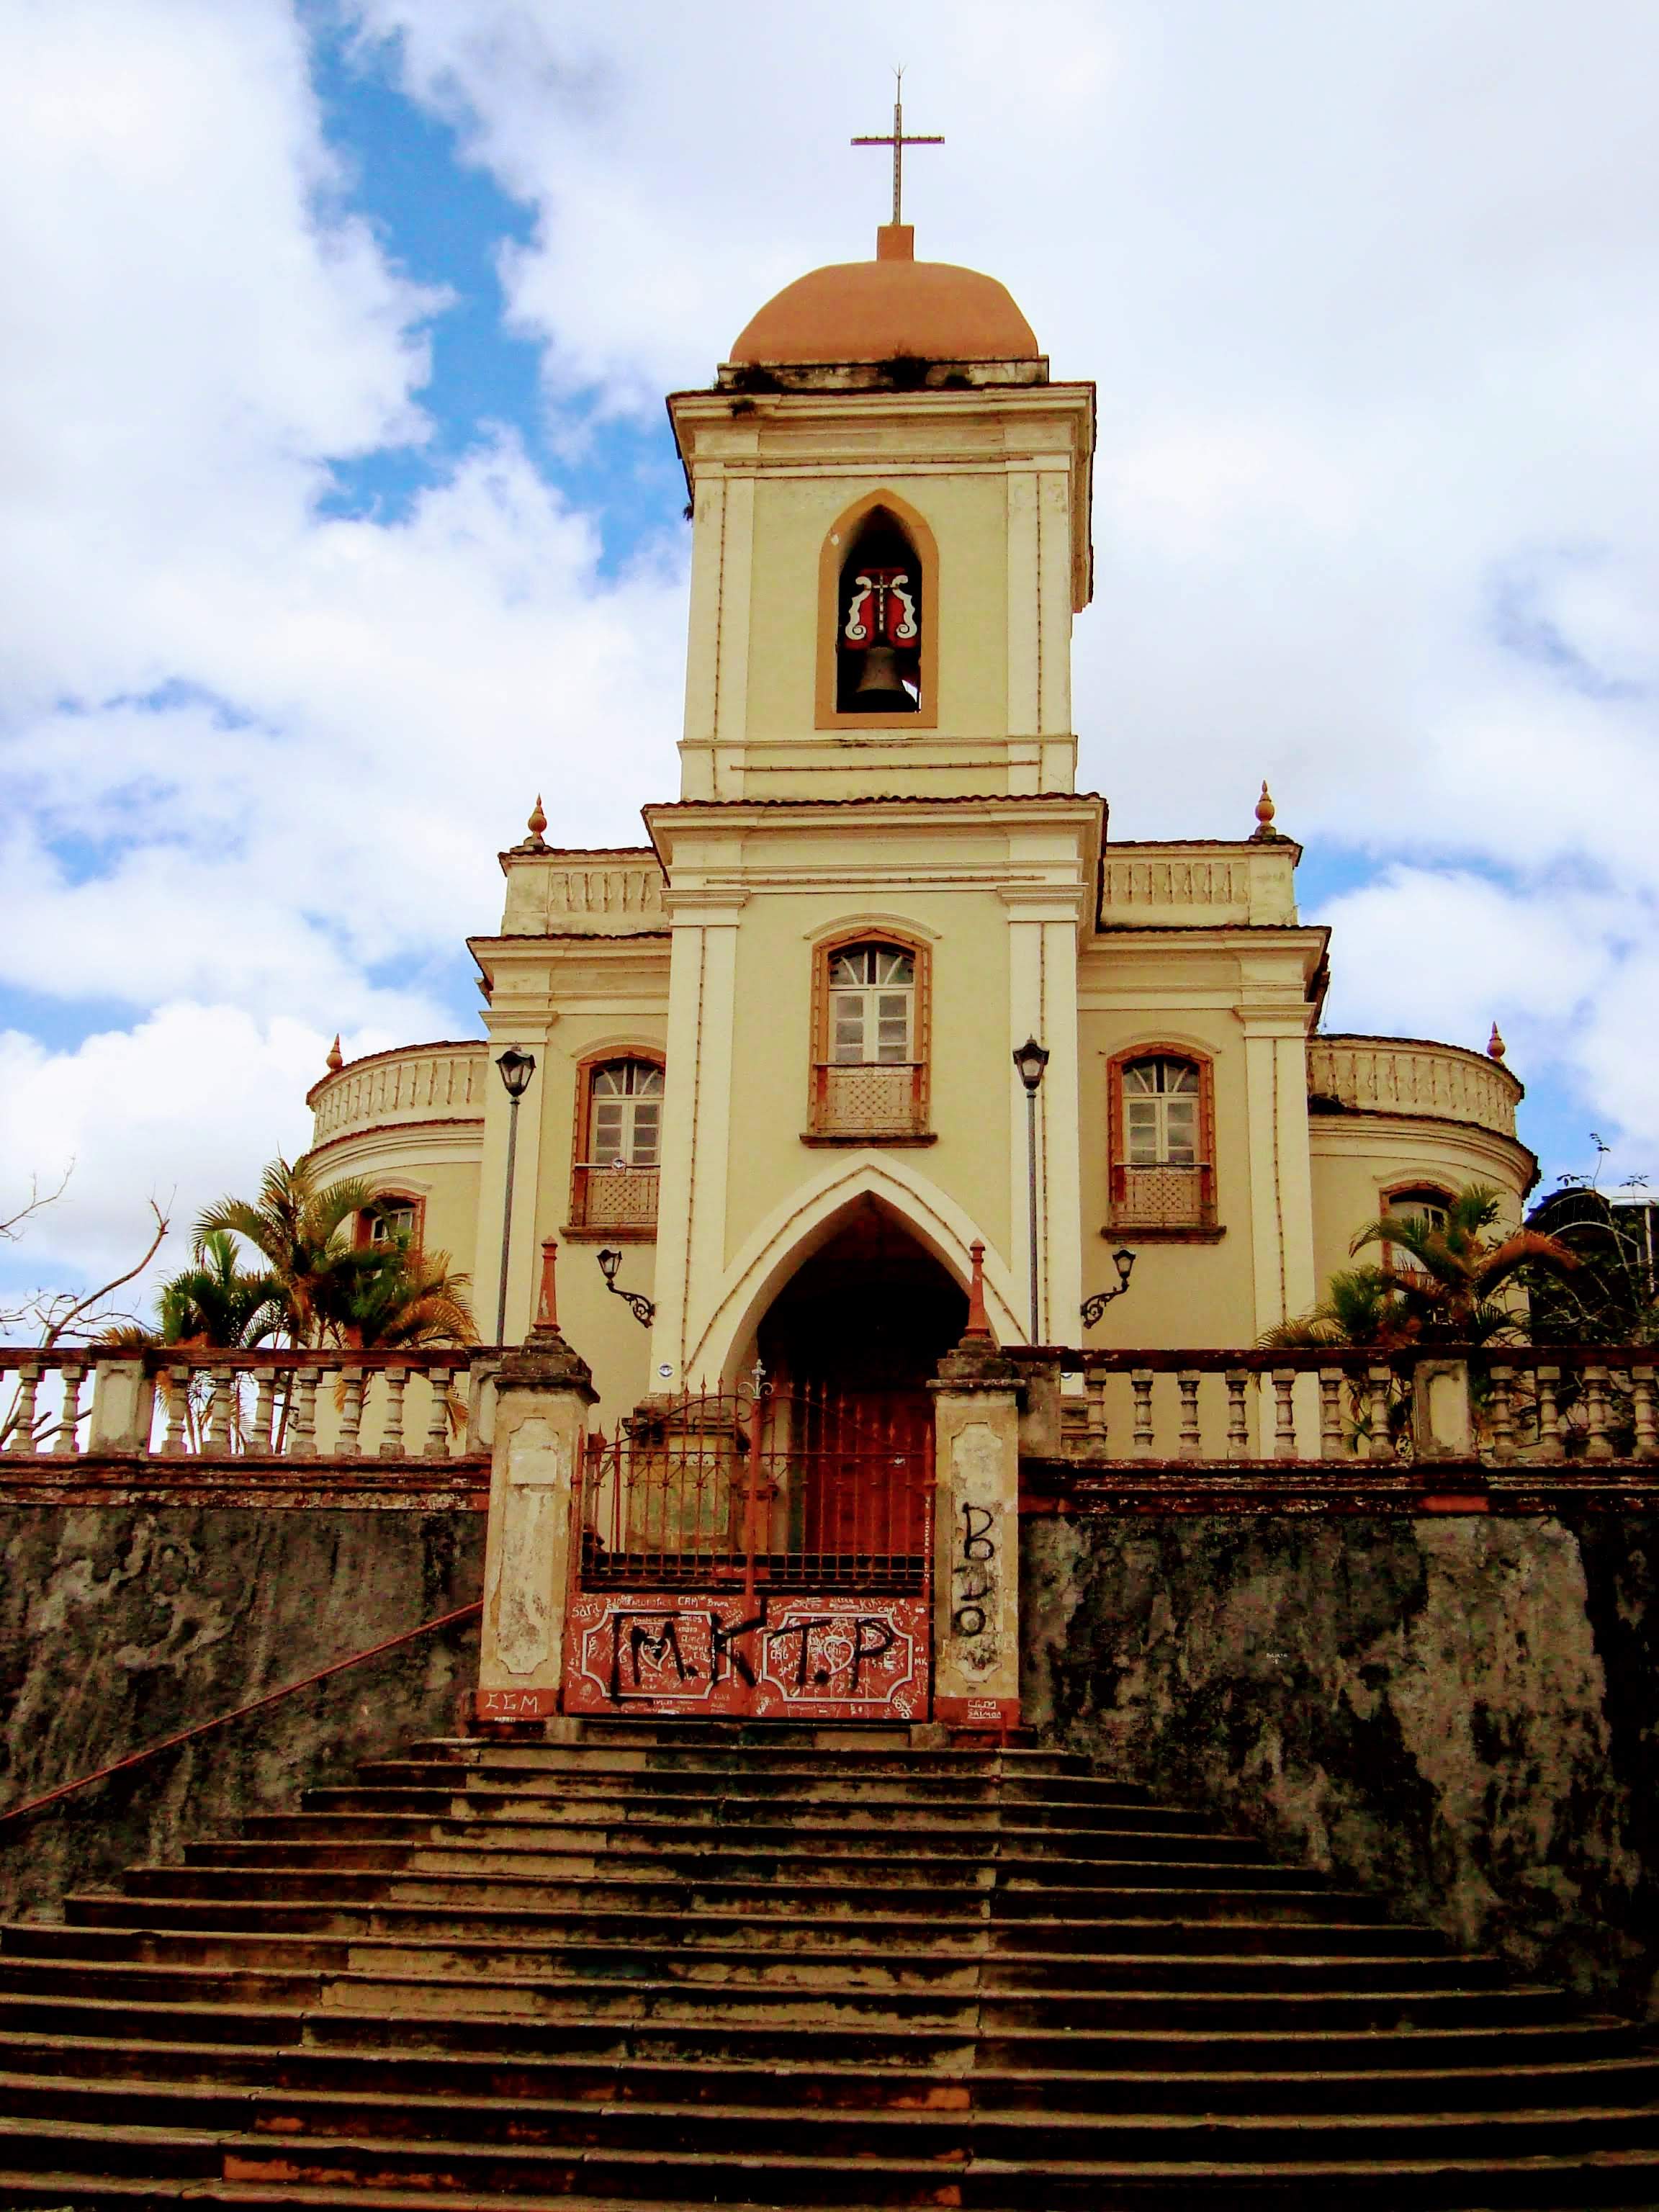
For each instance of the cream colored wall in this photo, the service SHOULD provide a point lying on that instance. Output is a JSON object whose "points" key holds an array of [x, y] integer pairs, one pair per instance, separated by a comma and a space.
{"points": [[1358, 1156], [968, 596], [1000, 477], [967, 938], [1180, 1294]]}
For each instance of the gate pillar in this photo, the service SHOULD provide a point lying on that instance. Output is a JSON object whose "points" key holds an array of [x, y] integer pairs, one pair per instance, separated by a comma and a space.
{"points": [[976, 1397], [542, 1393]]}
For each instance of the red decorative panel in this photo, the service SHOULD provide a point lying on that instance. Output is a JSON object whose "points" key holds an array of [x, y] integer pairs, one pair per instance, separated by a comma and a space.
{"points": [[793, 1658]]}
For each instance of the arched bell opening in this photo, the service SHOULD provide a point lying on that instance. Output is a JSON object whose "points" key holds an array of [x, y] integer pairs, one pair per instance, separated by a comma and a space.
{"points": [[878, 621]]}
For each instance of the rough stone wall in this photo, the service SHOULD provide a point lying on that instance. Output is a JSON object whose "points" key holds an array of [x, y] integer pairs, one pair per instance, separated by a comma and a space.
{"points": [[120, 1625], [1461, 1712]]}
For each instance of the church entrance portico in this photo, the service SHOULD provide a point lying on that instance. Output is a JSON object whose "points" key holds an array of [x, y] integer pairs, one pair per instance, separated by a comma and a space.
{"points": [[768, 1553]]}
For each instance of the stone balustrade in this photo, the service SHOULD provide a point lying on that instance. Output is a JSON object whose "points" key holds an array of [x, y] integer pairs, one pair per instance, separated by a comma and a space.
{"points": [[1197, 887], [416, 1082], [615, 894], [172, 1403], [1341, 1408], [1409, 1076]]}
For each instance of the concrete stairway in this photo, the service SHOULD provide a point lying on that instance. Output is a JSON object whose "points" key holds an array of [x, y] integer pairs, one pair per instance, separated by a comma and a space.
{"points": [[683, 1967]]}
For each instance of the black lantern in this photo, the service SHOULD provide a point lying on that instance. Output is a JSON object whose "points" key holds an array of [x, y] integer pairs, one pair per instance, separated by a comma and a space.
{"points": [[1124, 1260], [638, 1305], [517, 1067], [1030, 1059]]}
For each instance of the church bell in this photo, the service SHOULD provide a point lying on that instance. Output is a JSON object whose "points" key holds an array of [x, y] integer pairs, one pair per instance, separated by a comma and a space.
{"points": [[878, 683]]}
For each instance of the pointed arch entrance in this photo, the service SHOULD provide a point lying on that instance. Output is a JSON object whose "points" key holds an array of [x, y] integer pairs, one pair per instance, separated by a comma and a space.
{"points": [[849, 1345], [765, 1551]]}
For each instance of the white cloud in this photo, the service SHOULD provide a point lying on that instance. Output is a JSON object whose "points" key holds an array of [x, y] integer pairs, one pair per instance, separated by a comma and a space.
{"points": [[1370, 297], [171, 1110]]}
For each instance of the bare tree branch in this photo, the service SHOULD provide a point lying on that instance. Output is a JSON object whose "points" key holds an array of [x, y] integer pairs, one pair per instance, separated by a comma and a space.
{"points": [[73, 1313], [12, 1228]]}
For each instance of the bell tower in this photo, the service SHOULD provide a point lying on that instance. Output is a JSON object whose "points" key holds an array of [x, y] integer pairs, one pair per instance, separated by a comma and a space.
{"points": [[890, 504]]}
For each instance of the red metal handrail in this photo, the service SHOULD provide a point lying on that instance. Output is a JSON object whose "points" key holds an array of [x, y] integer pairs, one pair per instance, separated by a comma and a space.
{"points": [[222, 1720]]}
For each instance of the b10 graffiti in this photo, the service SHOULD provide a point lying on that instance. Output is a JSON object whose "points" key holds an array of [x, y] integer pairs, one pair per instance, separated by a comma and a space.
{"points": [[973, 1586]]}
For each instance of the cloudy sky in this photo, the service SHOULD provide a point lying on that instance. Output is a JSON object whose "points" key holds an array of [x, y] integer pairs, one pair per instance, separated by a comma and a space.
{"points": [[339, 514]]}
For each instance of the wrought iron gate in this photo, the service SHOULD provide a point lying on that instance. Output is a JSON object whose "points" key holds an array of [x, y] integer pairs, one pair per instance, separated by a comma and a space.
{"points": [[768, 1556]]}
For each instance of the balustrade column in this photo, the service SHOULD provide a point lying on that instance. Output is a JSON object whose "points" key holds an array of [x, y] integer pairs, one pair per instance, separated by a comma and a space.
{"points": [[1238, 1420], [391, 1428], [1549, 1413], [25, 1416], [302, 1413], [1642, 1407], [67, 1444], [1190, 1445], [1598, 1444], [1284, 1381], [1140, 1383], [264, 1411], [1330, 1413], [348, 1444]]}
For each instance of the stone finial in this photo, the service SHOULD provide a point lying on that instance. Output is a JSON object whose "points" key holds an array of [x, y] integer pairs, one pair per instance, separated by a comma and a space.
{"points": [[335, 1057], [1496, 1046], [547, 1306], [534, 842], [978, 1330], [1264, 832], [545, 1360]]}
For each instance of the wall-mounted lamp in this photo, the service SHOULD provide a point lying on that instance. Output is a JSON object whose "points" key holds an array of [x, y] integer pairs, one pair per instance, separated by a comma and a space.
{"points": [[638, 1305], [1124, 1260]]}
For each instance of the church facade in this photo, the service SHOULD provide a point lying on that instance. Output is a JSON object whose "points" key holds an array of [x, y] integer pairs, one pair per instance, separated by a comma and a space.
{"points": [[775, 1082]]}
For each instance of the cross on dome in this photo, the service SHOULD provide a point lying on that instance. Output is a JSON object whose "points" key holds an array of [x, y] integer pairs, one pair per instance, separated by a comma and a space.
{"points": [[897, 139]]}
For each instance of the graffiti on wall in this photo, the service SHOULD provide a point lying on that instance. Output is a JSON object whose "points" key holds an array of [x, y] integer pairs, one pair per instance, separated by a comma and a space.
{"points": [[822, 1658]]}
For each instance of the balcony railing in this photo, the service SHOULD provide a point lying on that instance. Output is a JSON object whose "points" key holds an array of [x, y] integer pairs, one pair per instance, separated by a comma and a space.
{"points": [[1162, 1198], [608, 1198], [886, 1098]]}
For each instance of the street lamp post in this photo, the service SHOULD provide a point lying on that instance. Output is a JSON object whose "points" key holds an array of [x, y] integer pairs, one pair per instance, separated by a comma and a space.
{"points": [[517, 1066], [1030, 1058]]}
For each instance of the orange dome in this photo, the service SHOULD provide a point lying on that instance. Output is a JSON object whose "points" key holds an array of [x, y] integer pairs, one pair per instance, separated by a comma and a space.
{"points": [[885, 309]]}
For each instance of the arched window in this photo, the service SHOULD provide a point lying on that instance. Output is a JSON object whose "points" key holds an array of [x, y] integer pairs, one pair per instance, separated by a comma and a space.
{"points": [[394, 1218], [1162, 1117], [1424, 1203], [870, 1057], [619, 1145], [878, 621]]}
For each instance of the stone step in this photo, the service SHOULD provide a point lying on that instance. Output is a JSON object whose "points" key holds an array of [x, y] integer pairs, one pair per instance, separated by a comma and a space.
{"points": [[802, 1965], [976, 1997], [800, 1864], [509, 2172], [391, 2071], [706, 1930], [950, 2136], [559, 1829], [517, 2040], [550, 1800], [691, 1785], [755, 1758], [1012, 1900]]}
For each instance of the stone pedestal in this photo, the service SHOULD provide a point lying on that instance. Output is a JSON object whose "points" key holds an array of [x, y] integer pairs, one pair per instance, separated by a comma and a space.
{"points": [[976, 1401], [542, 1393]]}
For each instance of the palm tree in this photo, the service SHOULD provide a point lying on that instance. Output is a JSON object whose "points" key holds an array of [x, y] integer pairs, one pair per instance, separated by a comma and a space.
{"points": [[1361, 1307], [1450, 1290], [213, 1302], [302, 1232], [412, 1299]]}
